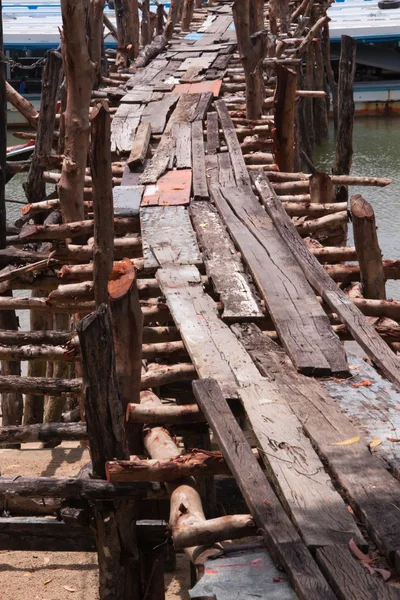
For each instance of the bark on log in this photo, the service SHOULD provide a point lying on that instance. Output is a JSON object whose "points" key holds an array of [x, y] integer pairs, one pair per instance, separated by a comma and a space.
{"points": [[23, 106], [127, 14], [326, 47], [344, 138], [150, 52], [34, 337], [164, 414], [367, 247], [37, 354], [252, 49], [11, 399], [35, 187], [230, 527], [115, 522], [145, 31], [38, 386], [80, 73], [300, 209], [103, 208], [3, 146], [322, 223], [127, 323], [55, 405], [321, 188], [51, 432], [159, 375], [285, 105], [195, 463]]}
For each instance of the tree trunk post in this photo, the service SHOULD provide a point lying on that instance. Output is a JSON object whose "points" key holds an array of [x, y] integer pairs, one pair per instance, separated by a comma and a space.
{"points": [[321, 107], [35, 187], [127, 15], [252, 49], [367, 247], [115, 520], [326, 48], [103, 209], [80, 73], [160, 19], [172, 18], [187, 15], [321, 188], [145, 24], [94, 27], [127, 320], [344, 138], [285, 112]]}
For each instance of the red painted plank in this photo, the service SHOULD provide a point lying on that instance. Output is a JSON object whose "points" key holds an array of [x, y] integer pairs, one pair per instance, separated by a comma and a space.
{"points": [[171, 189]]}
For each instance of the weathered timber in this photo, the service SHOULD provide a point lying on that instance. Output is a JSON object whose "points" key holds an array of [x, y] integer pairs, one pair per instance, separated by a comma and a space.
{"points": [[127, 14], [22, 105], [212, 133], [23, 338], [229, 527], [115, 522], [127, 323], [200, 190], [367, 247], [258, 241], [150, 52], [38, 385], [337, 300], [223, 265], [159, 375], [164, 414], [362, 475], [140, 146], [182, 134], [195, 463], [103, 211], [344, 137], [35, 187], [280, 536], [187, 14], [49, 432], [285, 109], [124, 126]]}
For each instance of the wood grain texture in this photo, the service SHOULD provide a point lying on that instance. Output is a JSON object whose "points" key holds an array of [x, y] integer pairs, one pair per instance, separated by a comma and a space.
{"points": [[223, 265], [200, 189], [140, 145], [280, 536], [123, 127]]}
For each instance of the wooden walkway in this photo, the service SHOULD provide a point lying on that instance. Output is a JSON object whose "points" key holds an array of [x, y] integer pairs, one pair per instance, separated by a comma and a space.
{"points": [[233, 298]]}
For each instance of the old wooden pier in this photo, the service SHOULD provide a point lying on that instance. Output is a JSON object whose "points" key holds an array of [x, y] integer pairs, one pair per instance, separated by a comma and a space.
{"points": [[190, 295]]}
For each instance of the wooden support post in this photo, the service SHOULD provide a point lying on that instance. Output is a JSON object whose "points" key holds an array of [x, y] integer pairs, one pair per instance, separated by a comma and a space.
{"points": [[172, 18], [127, 14], [326, 48], [367, 247], [35, 187], [145, 23], [320, 105], [23, 106], [321, 188], [80, 73], [127, 320], [187, 15], [103, 209], [252, 49], [3, 141], [94, 28], [115, 521], [285, 109], [160, 19], [344, 138]]}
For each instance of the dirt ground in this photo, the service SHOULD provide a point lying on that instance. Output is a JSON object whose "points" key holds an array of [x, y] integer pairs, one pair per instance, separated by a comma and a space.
{"points": [[59, 575]]}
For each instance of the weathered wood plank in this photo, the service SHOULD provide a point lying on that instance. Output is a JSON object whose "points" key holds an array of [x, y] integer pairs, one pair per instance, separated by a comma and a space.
{"points": [[350, 579], [239, 166], [301, 323], [203, 106], [156, 113], [200, 188], [223, 265], [126, 200], [171, 189], [359, 327], [140, 145], [165, 152], [168, 237], [281, 538], [202, 62], [182, 133], [123, 127], [212, 133], [371, 490], [137, 96]]}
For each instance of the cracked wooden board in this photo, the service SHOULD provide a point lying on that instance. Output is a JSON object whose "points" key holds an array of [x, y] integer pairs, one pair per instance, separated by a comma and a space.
{"points": [[124, 125], [171, 189]]}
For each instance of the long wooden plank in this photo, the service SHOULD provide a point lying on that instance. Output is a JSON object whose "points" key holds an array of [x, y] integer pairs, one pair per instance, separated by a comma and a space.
{"points": [[168, 237], [223, 265], [200, 188], [212, 133], [156, 113], [302, 325], [350, 579], [140, 146], [172, 189], [281, 538], [182, 133], [123, 127], [371, 490], [206, 337], [349, 314], [239, 166]]}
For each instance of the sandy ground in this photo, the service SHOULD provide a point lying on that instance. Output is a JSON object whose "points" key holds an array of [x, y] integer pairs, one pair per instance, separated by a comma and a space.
{"points": [[61, 575]]}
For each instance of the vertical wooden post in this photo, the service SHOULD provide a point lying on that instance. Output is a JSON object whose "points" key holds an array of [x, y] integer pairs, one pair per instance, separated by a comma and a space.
{"points": [[127, 14], [80, 72], [94, 29], [252, 49], [103, 210], [145, 24], [285, 110], [321, 188], [321, 107], [367, 247], [115, 520], [344, 138], [326, 47], [273, 17], [56, 404], [35, 187], [127, 320], [308, 102], [160, 19], [172, 18], [187, 15], [11, 403]]}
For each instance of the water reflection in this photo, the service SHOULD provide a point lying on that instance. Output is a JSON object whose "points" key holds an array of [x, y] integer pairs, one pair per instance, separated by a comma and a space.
{"points": [[376, 144]]}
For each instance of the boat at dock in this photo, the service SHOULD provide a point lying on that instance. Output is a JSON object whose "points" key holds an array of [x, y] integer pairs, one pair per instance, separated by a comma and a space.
{"points": [[377, 31]]}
